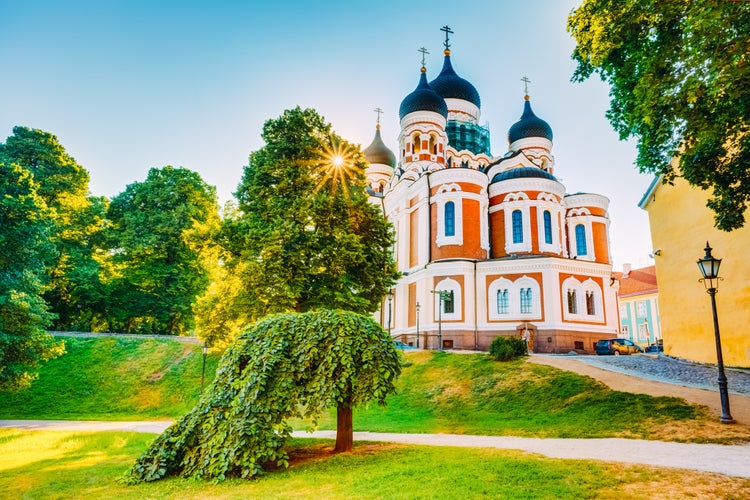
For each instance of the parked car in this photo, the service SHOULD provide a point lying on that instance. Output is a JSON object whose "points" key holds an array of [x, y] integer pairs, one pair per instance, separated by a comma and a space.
{"points": [[617, 347], [655, 348], [401, 345]]}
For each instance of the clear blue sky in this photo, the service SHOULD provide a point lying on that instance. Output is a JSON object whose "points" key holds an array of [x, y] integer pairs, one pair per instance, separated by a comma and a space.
{"points": [[131, 85]]}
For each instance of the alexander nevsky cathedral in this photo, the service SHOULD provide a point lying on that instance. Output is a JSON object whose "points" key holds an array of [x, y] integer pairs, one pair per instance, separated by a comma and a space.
{"points": [[487, 245]]}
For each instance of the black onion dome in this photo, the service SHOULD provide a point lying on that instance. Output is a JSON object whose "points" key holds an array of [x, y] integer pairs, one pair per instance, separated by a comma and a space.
{"points": [[451, 86], [523, 173], [378, 152], [529, 125], [423, 99]]}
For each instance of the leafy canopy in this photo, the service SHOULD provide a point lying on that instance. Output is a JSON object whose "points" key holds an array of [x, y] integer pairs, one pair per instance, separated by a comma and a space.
{"points": [[160, 241], [75, 292], [304, 235], [679, 73], [25, 228], [284, 366]]}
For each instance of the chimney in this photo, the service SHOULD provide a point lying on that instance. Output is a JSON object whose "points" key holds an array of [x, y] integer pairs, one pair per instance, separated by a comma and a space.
{"points": [[626, 270]]}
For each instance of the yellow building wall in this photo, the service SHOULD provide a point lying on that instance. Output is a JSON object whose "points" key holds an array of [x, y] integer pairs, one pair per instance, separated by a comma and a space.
{"points": [[680, 226]]}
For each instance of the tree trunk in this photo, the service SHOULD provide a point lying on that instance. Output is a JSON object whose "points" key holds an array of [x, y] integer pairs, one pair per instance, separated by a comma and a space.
{"points": [[344, 430]]}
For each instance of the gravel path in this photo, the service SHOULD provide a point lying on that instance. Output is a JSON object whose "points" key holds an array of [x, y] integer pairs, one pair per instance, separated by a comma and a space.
{"points": [[662, 376], [672, 370], [729, 460]]}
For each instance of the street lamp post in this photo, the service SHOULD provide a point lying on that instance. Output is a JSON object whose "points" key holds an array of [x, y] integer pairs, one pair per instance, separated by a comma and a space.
{"points": [[440, 321], [443, 295], [417, 308], [709, 267], [203, 371], [390, 303]]}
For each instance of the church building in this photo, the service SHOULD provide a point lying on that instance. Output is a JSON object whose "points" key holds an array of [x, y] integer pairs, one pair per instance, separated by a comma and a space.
{"points": [[487, 245]]}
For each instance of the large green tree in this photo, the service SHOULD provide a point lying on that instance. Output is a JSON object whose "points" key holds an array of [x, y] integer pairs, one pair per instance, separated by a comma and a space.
{"points": [[25, 228], [679, 73], [304, 235], [284, 366], [75, 292], [160, 235]]}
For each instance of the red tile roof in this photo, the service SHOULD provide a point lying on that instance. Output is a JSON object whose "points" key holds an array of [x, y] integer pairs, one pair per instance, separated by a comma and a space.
{"points": [[637, 282]]}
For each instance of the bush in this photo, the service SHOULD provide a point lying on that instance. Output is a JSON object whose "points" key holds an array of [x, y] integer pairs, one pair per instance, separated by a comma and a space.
{"points": [[507, 348]]}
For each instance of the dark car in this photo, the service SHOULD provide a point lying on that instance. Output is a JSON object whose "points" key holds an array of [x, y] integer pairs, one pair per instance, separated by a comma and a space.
{"points": [[617, 347], [401, 345], [655, 348]]}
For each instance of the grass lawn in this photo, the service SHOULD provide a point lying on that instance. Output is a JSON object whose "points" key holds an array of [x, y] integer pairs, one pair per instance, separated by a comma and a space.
{"points": [[108, 378], [51, 465], [440, 392]]}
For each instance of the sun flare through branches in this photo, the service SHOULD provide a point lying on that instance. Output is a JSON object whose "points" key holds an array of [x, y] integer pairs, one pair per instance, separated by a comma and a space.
{"points": [[335, 167]]}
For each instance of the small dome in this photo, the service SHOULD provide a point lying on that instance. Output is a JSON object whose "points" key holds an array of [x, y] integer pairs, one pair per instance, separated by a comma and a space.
{"points": [[378, 152], [423, 99], [523, 172], [529, 125], [451, 86]]}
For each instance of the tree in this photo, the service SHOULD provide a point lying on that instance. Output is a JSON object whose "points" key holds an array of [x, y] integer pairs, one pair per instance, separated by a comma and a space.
{"points": [[305, 235], [284, 366], [25, 228], [679, 73], [74, 292], [160, 238]]}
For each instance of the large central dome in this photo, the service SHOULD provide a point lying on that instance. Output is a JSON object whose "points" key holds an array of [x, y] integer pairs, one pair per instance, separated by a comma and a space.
{"points": [[423, 99], [451, 86]]}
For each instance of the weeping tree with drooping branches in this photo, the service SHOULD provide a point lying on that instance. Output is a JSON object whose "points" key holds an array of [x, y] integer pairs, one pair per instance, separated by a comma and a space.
{"points": [[281, 367]]}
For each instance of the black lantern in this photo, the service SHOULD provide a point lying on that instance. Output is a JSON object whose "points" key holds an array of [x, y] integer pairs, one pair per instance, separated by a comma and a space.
{"points": [[709, 266]]}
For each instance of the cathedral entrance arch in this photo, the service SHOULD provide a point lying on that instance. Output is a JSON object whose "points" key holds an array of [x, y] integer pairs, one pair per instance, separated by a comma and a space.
{"points": [[528, 332]]}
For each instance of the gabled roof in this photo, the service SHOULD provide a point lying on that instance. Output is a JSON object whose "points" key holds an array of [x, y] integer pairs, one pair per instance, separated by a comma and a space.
{"points": [[648, 195], [637, 282]]}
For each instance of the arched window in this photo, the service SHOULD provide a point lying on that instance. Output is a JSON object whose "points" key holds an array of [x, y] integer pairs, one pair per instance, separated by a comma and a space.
{"points": [[447, 295], [572, 302], [526, 300], [450, 218], [433, 145], [449, 303], [584, 300], [503, 307], [547, 227], [417, 143], [590, 304], [517, 222], [581, 240]]}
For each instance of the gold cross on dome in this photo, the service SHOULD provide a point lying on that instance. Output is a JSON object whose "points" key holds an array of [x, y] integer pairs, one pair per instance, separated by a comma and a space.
{"points": [[378, 111]]}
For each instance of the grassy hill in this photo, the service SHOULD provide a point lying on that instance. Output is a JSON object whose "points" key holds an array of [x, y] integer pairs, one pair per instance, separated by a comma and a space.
{"points": [[108, 378], [114, 378]]}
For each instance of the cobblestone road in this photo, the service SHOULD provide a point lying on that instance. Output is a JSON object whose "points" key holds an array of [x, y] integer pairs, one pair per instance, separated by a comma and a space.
{"points": [[667, 369]]}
